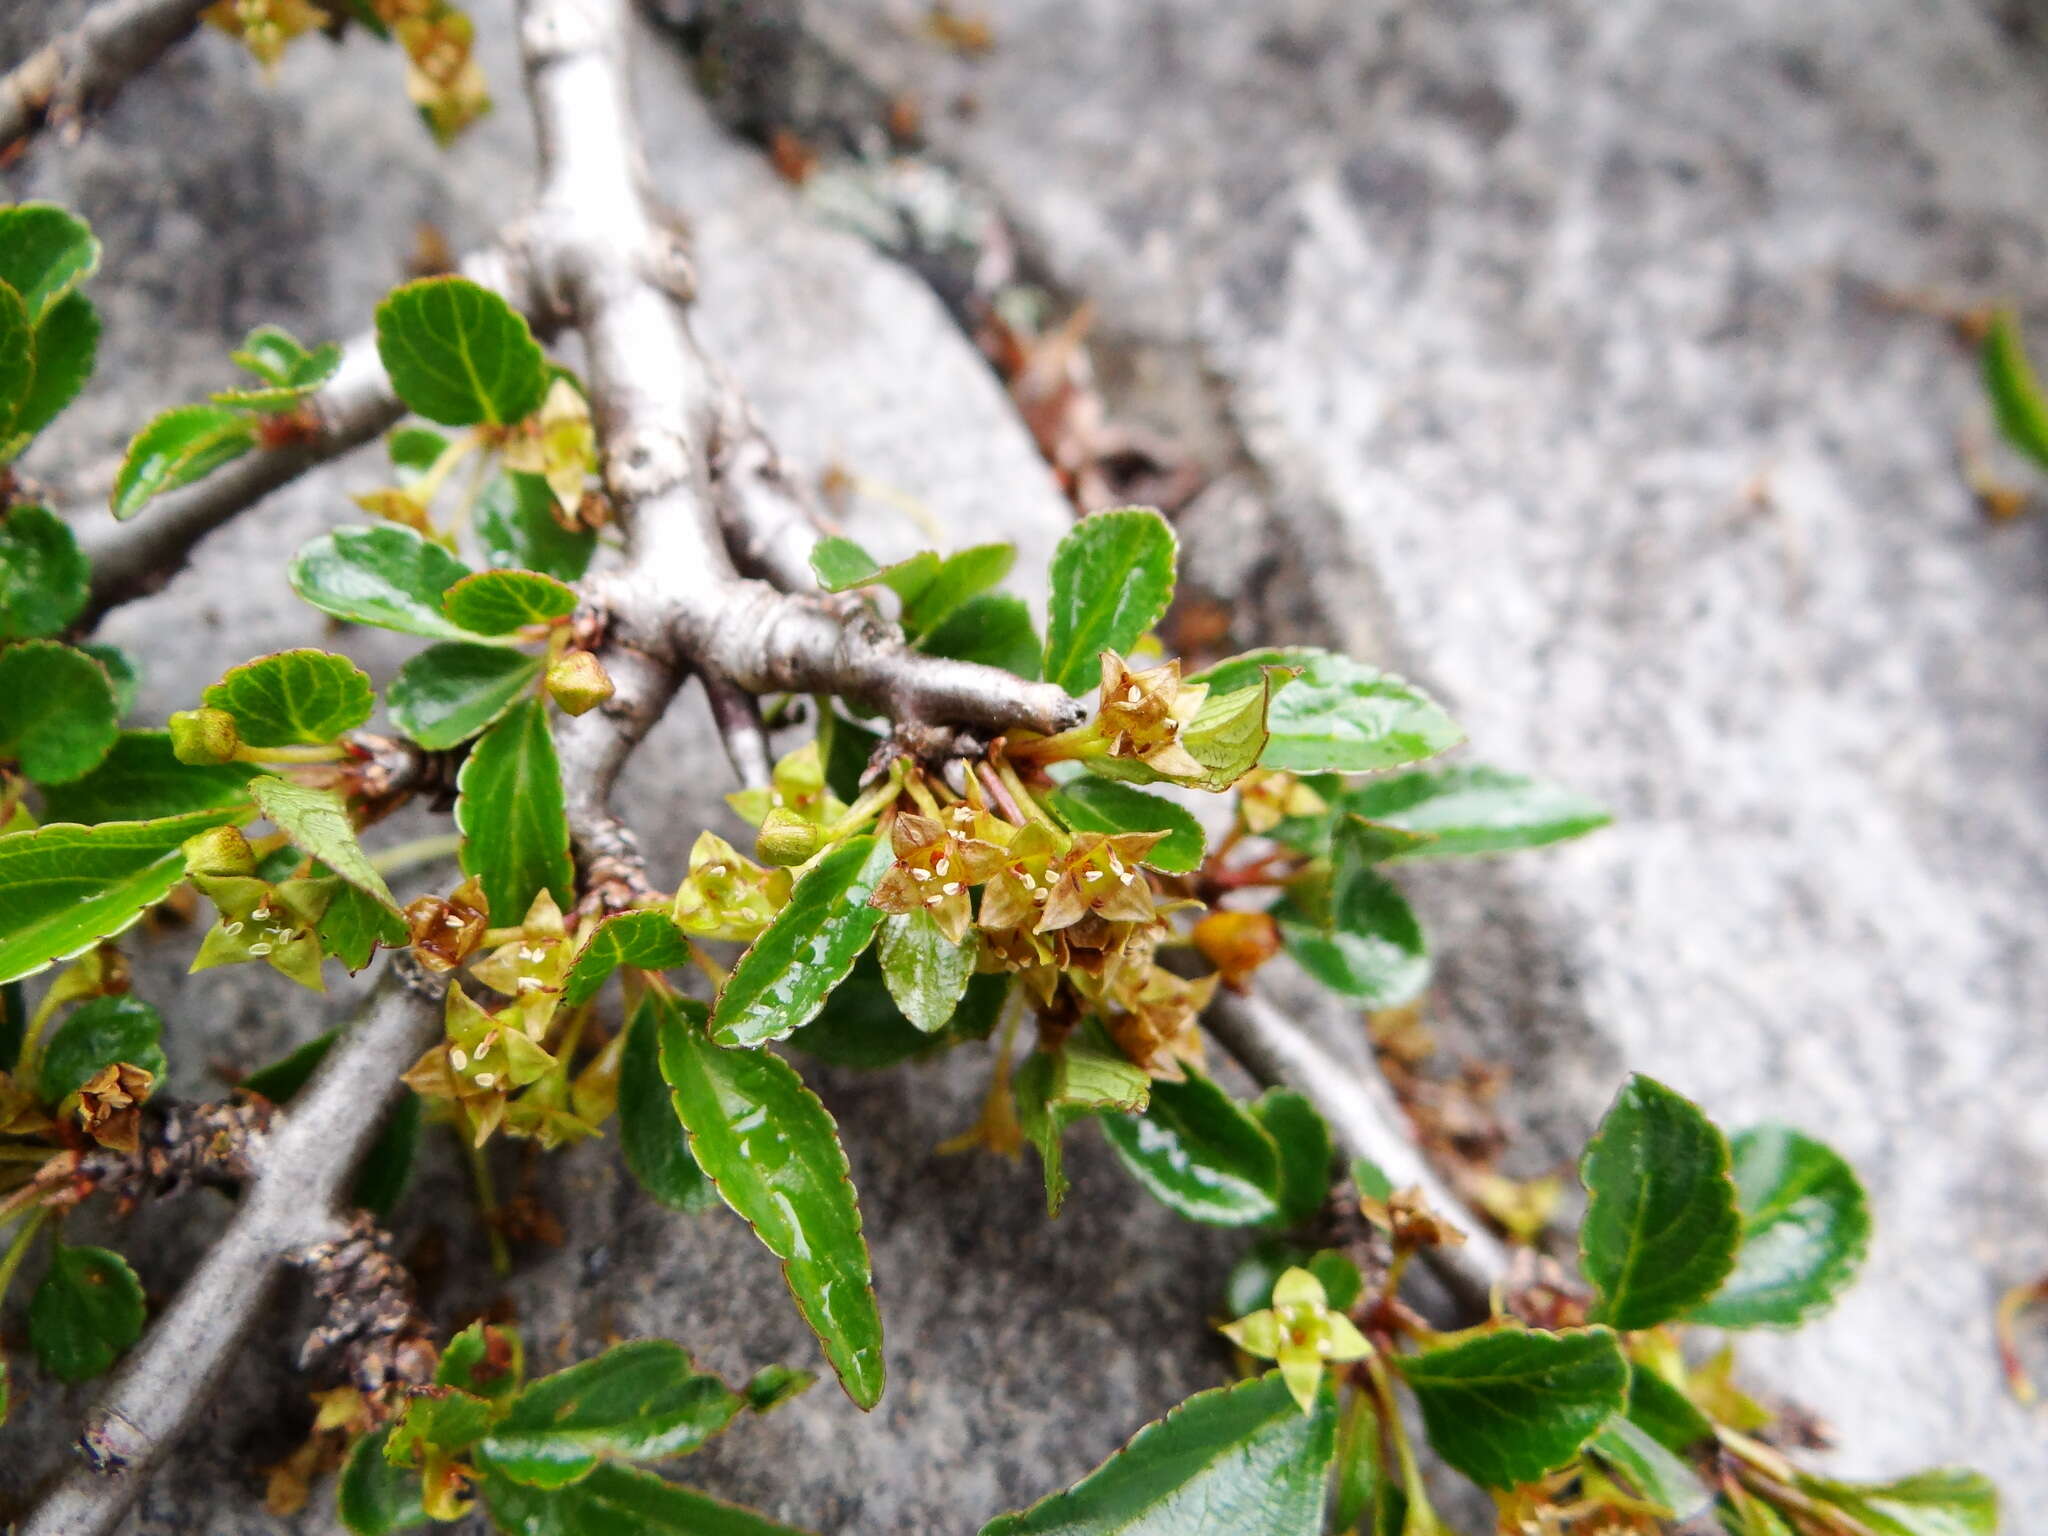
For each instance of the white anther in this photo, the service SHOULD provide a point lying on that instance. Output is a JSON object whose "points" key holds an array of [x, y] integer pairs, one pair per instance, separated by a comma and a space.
{"points": [[487, 1079], [260, 949], [920, 874], [459, 1057], [951, 887]]}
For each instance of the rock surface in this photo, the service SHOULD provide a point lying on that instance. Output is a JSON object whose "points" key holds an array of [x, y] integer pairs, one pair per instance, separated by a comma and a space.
{"points": [[1558, 334]]}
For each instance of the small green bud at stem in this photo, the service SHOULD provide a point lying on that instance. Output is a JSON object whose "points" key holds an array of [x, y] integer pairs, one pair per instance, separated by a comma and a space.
{"points": [[222, 851], [577, 681], [204, 736], [786, 838]]}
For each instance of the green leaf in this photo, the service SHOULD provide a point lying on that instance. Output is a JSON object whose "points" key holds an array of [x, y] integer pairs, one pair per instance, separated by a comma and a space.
{"points": [[782, 981], [642, 1401], [2015, 391], [773, 1385], [1239, 1459], [1943, 1502], [1252, 1277], [620, 1501], [1339, 715], [1471, 810], [355, 924], [388, 1164], [44, 578], [926, 972], [182, 445], [647, 941], [994, 629], [961, 576], [1101, 805], [486, 1360], [294, 698], [1305, 1149], [387, 576], [1666, 1414], [774, 1154], [1805, 1231], [1091, 1074], [656, 1149], [1507, 1407], [289, 371], [1661, 1223], [515, 524], [140, 778], [515, 831], [1358, 1462], [839, 564], [451, 691], [87, 1311], [121, 671], [460, 355], [317, 822], [64, 888], [17, 355], [45, 252], [1112, 577], [1368, 943], [65, 343], [97, 1034], [376, 1498], [498, 602], [1634, 1457], [1201, 1153], [57, 718], [860, 1025], [449, 1420], [1044, 1124]]}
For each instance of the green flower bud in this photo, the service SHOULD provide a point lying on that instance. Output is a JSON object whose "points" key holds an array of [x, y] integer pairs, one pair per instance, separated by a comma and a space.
{"points": [[787, 837], [222, 851], [577, 681], [204, 736]]}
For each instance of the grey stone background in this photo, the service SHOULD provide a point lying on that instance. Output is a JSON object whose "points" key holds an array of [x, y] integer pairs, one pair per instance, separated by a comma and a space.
{"points": [[1546, 351]]}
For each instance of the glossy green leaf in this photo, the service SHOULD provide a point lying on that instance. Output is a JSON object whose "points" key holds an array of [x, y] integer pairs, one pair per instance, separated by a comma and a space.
{"points": [[1101, 805], [1306, 1153], [1112, 577], [1242, 1458], [387, 576], [774, 1153], [317, 822], [449, 1420], [96, 1034], [840, 564], [773, 1385], [45, 252], [926, 972], [960, 576], [1363, 940], [516, 525], [1661, 1225], [1044, 1124], [1201, 1153], [293, 698], [994, 629], [376, 1498], [1666, 1414], [1473, 810], [66, 341], [643, 1401], [620, 1501], [1943, 1502], [86, 1312], [17, 355], [44, 577], [1252, 1277], [289, 371], [2015, 390], [141, 777], [1358, 1462], [63, 888], [1640, 1463], [515, 831], [57, 718], [177, 448], [782, 981], [498, 602], [121, 671], [355, 924], [1090, 1074], [486, 1360], [1805, 1231], [860, 1025], [1507, 1407], [1339, 715], [647, 941], [651, 1138], [460, 355], [451, 691]]}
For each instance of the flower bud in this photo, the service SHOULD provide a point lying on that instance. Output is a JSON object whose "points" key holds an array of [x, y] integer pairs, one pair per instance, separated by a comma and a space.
{"points": [[204, 736], [222, 851], [787, 838], [578, 682]]}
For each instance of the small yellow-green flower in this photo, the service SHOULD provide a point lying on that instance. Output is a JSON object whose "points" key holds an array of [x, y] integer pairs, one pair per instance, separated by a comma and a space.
{"points": [[1301, 1332]]}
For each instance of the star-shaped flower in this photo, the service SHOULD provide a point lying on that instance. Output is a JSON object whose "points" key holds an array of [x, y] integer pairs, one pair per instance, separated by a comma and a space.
{"points": [[1142, 714], [728, 895], [1099, 876], [1302, 1332], [935, 868]]}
